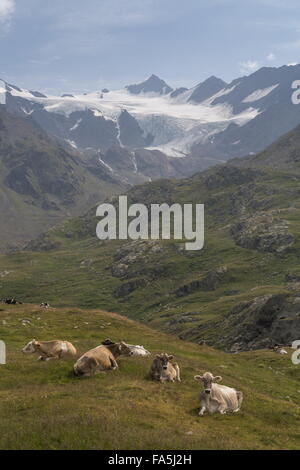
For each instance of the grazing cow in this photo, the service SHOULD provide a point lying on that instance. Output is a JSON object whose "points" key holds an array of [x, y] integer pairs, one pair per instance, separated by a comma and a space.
{"points": [[217, 398], [100, 358], [163, 370], [48, 350], [135, 349]]}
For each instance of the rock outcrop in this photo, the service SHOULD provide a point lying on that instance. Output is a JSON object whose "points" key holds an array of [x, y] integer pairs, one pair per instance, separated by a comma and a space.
{"points": [[263, 232]]}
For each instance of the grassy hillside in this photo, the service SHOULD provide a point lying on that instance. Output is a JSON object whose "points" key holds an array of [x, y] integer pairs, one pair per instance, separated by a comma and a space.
{"points": [[43, 406], [252, 240]]}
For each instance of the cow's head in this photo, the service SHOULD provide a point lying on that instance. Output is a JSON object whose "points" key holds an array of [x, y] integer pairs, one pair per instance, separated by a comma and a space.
{"points": [[124, 349], [31, 347], [163, 360], [207, 379]]}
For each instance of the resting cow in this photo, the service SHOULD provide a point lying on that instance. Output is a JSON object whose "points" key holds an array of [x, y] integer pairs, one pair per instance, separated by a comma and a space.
{"points": [[135, 349], [217, 398], [163, 370], [50, 349], [100, 358], [279, 350]]}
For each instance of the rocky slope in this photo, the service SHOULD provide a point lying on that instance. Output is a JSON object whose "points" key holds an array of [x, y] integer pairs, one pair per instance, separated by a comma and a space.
{"points": [[41, 183]]}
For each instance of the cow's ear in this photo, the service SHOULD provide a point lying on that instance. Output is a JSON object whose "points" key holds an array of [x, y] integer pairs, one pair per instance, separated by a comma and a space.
{"points": [[158, 356], [198, 377], [218, 378], [170, 357]]}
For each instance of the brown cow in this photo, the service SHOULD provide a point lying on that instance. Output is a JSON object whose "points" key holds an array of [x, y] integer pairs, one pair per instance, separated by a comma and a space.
{"points": [[163, 370], [100, 358]]}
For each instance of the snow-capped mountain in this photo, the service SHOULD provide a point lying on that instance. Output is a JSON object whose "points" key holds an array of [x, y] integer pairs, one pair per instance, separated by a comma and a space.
{"points": [[210, 122], [154, 84]]}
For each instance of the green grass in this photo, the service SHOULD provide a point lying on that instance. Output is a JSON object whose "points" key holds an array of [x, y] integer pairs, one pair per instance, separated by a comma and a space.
{"points": [[43, 406]]}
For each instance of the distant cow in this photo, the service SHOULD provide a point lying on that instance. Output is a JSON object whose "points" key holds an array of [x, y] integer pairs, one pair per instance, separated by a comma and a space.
{"points": [[100, 358], [135, 349], [47, 350], [12, 301], [279, 350], [163, 370], [217, 398], [45, 305]]}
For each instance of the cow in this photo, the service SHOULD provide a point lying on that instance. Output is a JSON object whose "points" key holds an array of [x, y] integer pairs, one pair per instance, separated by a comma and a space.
{"points": [[45, 305], [163, 370], [279, 350], [101, 358], [135, 349], [217, 398], [48, 350]]}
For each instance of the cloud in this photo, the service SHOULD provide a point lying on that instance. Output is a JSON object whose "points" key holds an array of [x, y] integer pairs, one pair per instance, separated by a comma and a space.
{"points": [[271, 57], [7, 8], [249, 66]]}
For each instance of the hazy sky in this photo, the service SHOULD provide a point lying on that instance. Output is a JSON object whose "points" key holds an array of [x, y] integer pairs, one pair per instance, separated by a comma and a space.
{"points": [[75, 45]]}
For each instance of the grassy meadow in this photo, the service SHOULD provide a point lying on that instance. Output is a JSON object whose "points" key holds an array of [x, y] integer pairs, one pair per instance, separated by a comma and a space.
{"points": [[43, 406]]}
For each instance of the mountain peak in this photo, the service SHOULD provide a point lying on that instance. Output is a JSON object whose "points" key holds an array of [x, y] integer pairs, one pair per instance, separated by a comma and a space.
{"points": [[206, 89], [153, 84]]}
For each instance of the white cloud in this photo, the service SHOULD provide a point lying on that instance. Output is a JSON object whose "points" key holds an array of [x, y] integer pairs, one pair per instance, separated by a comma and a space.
{"points": [[249, 66], [7, 8], [271, 57]]}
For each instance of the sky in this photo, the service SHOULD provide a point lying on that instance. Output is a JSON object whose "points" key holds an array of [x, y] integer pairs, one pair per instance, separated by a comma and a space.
{"points": [[80, 46]]}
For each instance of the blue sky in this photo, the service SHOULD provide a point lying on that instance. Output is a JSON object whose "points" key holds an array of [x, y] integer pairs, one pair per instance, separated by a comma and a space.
{"points": [[75, 45]]}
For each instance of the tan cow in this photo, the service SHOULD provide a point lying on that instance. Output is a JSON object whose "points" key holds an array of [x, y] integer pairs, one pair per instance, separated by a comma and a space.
{"points": [[48, 350], [217, 398], [163, 370], [100, 358]]}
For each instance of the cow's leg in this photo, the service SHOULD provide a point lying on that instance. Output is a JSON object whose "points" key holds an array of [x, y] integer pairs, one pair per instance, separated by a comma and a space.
{"points": [[222, 408], [202, 410], [51, 358], [176, 367], [114, 364], [41, 358]]}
